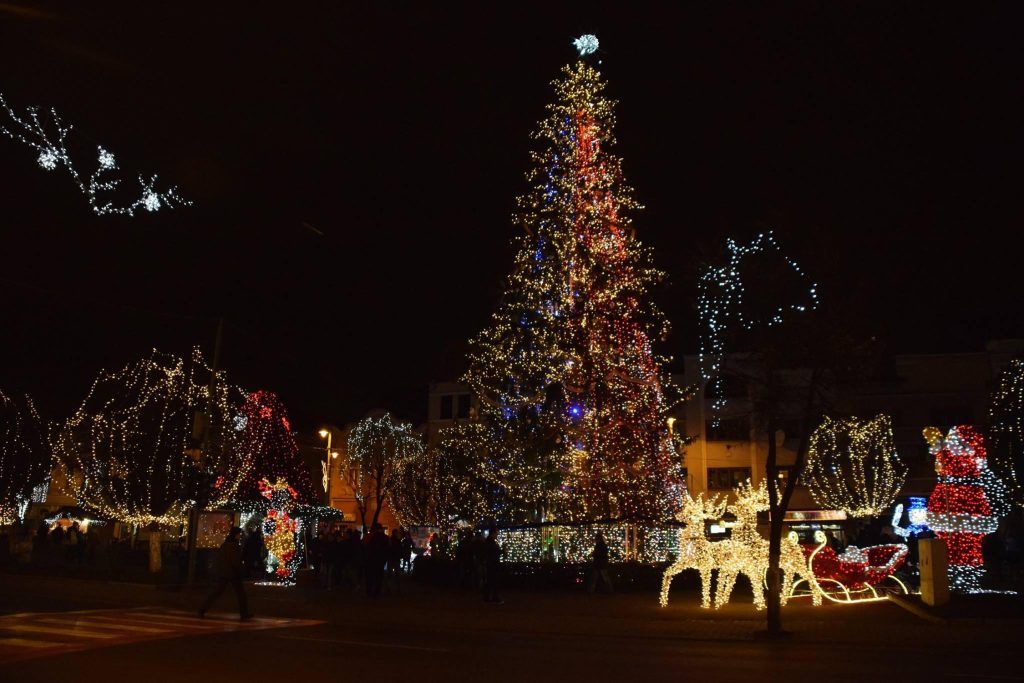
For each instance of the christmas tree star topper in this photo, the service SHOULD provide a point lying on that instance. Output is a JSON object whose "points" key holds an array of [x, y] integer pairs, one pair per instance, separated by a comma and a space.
{"points": [[586, 44]]}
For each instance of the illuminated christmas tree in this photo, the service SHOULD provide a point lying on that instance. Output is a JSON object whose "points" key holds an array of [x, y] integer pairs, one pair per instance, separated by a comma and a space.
{"points": [[966, 503], [269, 448], [566, 373]]}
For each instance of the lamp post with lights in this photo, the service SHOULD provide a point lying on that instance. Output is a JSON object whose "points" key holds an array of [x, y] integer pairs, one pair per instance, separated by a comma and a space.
{"points": [[327, 464]]}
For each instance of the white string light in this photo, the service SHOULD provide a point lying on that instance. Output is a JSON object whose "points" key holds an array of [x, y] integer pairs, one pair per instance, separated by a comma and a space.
{"points": [[853, 466], [720, 305], [50, 141], [24, 456]]}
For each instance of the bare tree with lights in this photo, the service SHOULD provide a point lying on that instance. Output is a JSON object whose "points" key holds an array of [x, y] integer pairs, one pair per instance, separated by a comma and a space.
{"points": [[853, 466], [131, 452], [379, 451], [24, 454], [794, 356], [1006, 429]]}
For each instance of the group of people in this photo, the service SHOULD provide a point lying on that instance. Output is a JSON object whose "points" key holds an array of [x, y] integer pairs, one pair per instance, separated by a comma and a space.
{"points": [[76, 544], [346, 557]]}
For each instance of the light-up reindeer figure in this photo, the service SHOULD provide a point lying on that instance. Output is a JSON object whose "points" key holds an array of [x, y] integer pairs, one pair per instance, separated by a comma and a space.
{"points": [[747, 551], [695, 550]]}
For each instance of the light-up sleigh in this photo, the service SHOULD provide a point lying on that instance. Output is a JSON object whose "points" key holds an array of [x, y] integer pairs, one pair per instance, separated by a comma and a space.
{"points": [[855, 575]]}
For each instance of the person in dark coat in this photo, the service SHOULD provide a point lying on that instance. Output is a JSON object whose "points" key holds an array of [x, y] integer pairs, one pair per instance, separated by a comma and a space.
{"points": [[229, 570], [253, 552], [492, 567], [406, 550], [395, 560], [377, 549], [599, 568]]}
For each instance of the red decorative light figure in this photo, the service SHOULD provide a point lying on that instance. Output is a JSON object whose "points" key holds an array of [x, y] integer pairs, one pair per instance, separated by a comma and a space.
{"points": [[966, 503], [279, 528]]}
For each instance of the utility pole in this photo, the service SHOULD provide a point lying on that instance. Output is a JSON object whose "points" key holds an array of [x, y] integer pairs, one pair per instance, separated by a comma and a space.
{"points": [[203, 493]]}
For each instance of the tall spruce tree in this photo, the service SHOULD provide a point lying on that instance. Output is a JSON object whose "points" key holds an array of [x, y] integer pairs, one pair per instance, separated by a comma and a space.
{"points": [[572, 393]]}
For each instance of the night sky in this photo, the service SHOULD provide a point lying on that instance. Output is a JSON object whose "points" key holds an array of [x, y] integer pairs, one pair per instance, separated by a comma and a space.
{"points": [[353, 169]]}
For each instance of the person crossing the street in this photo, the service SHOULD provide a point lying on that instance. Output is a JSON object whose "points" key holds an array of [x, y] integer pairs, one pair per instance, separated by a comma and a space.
{"points": [[229, 570]]}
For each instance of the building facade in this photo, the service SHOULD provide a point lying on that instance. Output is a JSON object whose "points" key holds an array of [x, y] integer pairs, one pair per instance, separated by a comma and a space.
{"points": [[919, 391]]}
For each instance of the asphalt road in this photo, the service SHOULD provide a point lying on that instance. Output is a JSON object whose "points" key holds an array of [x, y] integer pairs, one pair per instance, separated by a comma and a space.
{"points": [[449, 635]]}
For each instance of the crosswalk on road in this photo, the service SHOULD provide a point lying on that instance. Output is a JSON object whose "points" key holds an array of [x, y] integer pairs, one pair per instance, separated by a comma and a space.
{"points": [[42, 634]]}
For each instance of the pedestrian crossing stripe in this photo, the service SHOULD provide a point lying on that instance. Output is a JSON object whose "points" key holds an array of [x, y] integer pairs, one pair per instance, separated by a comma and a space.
{"points": [[42, 634]]}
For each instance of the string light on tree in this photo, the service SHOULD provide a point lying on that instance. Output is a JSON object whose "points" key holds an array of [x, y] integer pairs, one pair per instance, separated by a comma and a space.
{"points": [[131, 452], [379, 449], [573, 397], [24, 455], [50, 142], [722, 307], [966, 503], [853, 466], [1006, 428]]}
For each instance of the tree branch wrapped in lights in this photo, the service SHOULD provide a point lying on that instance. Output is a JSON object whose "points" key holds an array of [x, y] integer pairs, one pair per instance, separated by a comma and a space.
{"points": [[853, 466], [24, 454], [131, 450]]}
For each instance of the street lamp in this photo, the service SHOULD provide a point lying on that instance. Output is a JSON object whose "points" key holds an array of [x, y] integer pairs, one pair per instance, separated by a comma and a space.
{"points": [[326, 464]]}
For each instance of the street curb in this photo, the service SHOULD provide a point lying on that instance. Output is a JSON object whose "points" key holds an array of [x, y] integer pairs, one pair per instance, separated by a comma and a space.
{"points": [[918, 610]]}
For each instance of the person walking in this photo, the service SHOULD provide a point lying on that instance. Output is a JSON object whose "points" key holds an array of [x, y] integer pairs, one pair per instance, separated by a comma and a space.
{"points": [[599, 568], [395, 560], [407, 548], [229, 570], [492, 567], [377, 548]]}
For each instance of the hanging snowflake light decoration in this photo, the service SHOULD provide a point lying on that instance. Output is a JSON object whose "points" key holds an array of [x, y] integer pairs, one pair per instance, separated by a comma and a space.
{"points": [[50, 140], [47, 160], [721, 306], [106, 160]]}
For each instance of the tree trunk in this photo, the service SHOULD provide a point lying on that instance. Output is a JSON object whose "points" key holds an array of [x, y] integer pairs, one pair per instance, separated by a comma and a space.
{"points": [[154, 551], [774, 615], [376, 511], [778, 504], [776, 512]]}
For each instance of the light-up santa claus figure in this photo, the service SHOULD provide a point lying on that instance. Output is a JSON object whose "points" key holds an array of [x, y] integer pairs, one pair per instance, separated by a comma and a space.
{"points": [[280, 530], [966, 503]]}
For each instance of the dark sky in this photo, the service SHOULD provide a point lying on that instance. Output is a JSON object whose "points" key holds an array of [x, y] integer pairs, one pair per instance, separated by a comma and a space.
{"points": [[882, 142]]}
